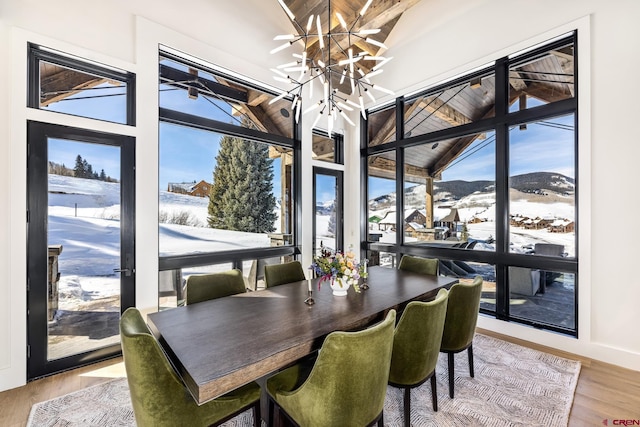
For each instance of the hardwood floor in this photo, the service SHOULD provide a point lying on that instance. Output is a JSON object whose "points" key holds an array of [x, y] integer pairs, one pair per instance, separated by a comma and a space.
{"points": [[604, 391]]}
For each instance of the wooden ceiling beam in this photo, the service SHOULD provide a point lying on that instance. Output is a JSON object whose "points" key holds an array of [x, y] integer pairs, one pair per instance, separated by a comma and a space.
{"points": [[565, 62], [322, 148], [387, 167], [254, 108], [386, 131], [444, 111], [64, 83]]}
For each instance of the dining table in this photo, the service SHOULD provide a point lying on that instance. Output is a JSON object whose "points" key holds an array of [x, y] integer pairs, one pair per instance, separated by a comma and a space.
{"points": [[218, 345]]}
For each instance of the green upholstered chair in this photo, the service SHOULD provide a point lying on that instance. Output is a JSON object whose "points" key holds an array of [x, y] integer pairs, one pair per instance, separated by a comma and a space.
{"points": [[460, 323], [158, 395], [279, 274], [203, 287], [347, 384], [416, 346], [419, 265]]}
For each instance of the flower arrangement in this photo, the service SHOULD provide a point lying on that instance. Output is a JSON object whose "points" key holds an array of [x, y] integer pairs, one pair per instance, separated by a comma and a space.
{"points": [[330, 266]]}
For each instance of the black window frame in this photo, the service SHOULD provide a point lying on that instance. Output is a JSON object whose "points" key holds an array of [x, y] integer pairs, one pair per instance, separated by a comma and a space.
{"points": [[338, 146], [37, 53], [502, 259], [339, 176], [236, 257]]}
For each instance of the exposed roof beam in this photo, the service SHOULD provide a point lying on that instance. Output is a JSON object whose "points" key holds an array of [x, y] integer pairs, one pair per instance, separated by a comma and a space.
{"points": [[444, 111], [65, 83], [387, 167]]}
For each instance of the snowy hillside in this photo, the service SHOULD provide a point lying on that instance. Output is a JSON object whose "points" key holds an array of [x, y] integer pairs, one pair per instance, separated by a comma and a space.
{"points": [[84, 217], [538, 195]]}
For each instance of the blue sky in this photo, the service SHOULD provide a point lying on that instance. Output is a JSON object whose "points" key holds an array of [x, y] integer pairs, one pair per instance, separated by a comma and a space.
{"points": [[188, 155], [546, 146], [99, 156], [325, 188]]}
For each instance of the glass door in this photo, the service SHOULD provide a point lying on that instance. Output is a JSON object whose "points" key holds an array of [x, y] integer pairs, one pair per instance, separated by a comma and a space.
{"points": [[81, 266], [328, 213]]}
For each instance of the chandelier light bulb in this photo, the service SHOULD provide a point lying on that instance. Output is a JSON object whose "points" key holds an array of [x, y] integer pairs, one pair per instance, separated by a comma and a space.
{"points": [[309, 23], [364, 9], [344, 106], [320, 37], [286, 9], [281, 47], [285, 37], [368, 32], [368, 92], [342, 21]]}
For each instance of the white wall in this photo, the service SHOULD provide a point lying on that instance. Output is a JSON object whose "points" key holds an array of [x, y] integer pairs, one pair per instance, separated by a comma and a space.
{"points": [[6, 315], [126, 34]]}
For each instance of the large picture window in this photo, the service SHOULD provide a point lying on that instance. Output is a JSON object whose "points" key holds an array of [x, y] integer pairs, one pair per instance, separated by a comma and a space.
{"points": [[227, 175], [487, 164]]}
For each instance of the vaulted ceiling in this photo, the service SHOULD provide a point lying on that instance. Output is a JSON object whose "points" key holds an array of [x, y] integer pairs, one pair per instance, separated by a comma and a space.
{"points": [[547, 79]]}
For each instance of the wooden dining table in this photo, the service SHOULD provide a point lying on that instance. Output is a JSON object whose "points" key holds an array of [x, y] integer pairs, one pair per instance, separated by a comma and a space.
{"points": [[219, 345]]}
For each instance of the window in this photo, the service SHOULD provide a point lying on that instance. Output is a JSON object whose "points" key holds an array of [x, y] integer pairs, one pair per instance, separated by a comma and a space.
{"points": [[438, 209], [488, 168], [381, 126], [228, 173], [328, 212], [382, 208], [246, 206], [64, 84], [451, 105], [327, 149], [204, 93], [542, 185]]}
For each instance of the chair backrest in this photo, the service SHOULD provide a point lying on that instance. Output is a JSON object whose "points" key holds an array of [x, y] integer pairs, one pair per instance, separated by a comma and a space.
{"points": [[348, 382], [157, 394], [416, 341], [419, 265], [462, 315], [203, 287], [279, 274]]}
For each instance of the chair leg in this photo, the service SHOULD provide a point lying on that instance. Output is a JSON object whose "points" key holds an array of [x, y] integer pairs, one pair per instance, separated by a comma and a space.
{"points": [[257, 417], [434, 393], [451, 374], [470, 353], [381, 420], [407, 407], [270, 410]]}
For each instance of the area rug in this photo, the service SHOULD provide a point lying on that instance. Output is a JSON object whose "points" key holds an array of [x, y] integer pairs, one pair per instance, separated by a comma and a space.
{"points": [[513, 386]]}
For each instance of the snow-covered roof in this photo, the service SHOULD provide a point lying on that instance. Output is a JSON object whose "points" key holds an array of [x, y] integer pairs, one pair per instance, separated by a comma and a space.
{"points": [[185, 186], [389, 218], [415, 225]]}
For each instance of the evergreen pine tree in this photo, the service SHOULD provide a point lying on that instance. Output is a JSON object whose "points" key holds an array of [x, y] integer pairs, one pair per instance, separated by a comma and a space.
{"points": [[240, 197], [332, 220], [103, 176], [79, 169], [88, 170]]}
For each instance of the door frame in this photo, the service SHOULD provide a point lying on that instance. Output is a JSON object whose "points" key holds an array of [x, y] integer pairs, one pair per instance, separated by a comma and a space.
{"points": [[339, 175], [37, 211]]}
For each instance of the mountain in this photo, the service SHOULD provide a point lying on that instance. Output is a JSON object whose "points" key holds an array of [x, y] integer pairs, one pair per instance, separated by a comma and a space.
{"points": [[543, 182], [536, 183], [458, 189]]}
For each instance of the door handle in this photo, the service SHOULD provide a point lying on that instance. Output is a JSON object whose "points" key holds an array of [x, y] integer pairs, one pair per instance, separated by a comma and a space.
{"points": [[127, 271]]}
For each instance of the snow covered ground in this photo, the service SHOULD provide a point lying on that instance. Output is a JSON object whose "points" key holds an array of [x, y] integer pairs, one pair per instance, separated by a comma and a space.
{"points": [[84, 219]]}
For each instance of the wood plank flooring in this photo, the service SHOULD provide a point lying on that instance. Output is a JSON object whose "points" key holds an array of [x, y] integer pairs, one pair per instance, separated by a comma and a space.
{"points": [[604, 391]]}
